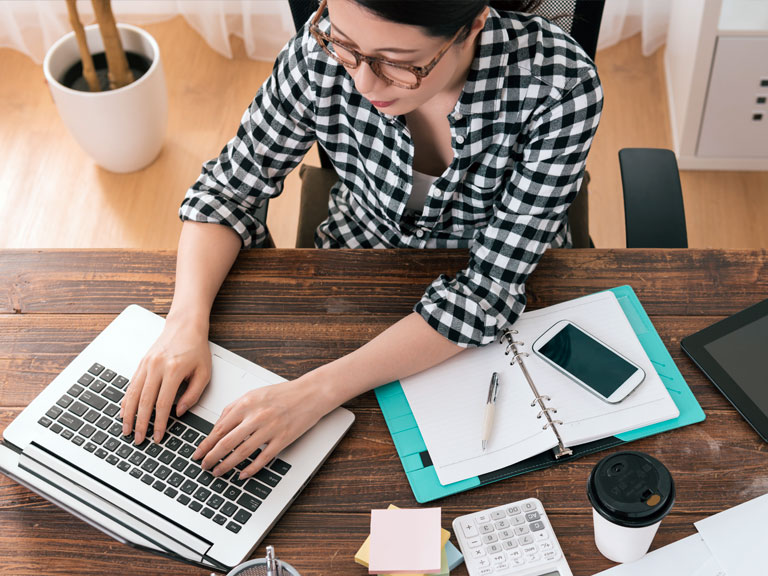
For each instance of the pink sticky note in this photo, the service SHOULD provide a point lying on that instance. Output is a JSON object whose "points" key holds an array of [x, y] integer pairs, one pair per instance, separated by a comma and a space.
{"points": [[405, 540]]}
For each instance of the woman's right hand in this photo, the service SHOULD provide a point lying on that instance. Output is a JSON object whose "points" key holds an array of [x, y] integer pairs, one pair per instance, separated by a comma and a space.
{"points": [[180, 354]]}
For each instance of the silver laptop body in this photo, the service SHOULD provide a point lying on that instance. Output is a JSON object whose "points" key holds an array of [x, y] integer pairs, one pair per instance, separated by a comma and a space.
{"points": [[135, 496]]}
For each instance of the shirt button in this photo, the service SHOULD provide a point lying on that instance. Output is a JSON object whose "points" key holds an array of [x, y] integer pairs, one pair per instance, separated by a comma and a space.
{"points": [[438, 193], [419, 233], [458, 116], [460, 139]]}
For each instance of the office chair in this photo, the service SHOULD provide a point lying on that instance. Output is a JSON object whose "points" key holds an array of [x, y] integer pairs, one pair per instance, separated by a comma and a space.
{"points": [[653, 204]]}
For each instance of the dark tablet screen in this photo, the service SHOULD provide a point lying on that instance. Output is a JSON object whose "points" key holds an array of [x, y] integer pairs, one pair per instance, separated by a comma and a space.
{"points": [[742, 355], [732, 353]]}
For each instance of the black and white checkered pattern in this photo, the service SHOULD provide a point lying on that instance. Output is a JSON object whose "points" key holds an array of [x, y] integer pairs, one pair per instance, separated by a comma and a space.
{"points": [[520, 131]]}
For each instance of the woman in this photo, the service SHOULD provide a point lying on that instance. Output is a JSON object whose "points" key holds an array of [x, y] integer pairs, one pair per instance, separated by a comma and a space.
{"points": [[450, 125]]}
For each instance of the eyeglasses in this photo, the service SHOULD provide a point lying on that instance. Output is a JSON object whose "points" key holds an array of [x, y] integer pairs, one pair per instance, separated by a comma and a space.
{"points": [[400, 75]]}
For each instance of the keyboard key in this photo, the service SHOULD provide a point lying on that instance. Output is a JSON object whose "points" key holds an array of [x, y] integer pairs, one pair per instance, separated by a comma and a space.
{"points": [[248, 501], [97, 385], [159, 486], [195, 505], [176, 479], [108, 376], [124, 451], [75, 390], [188, 487], [120, 382], [173, 443], [154, 449], [205, 478], [257, 489], [112, 459], [90, 446], [64, 401], [202, 494], [112, 444], [113, 394], [236, 480], [179, 464], [242, 516], [99, 437], [56, 428], [280, 466], [215, 501], [147, 479], [150, 465], [127, 439], [193, 420], [111, 410], [137, 458], [101, 453], [104, 422], [92, 416], [54, 412], [189, 436], [93, 400], [136, 473], [219, 486], [232, 493], [166, 457], [45, 421], [228, 509], [78, 440], [219, 519], [268, 477], [70, 421], [96, 369], [116, 429], [186, 451], [162, 472], [183, 499], [207, 512], [177, 428], [78, 408], [144, 444], [233, 527], [85, 379], [67, 434], [192, 471], [171, 492], [87, 430], [124, 466]]}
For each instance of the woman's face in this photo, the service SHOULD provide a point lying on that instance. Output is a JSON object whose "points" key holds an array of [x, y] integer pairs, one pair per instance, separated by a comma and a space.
{"points": [[375, 37]]}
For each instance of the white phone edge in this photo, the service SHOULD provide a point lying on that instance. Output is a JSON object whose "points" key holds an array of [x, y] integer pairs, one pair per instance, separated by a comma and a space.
{"points": [[620, 393]]}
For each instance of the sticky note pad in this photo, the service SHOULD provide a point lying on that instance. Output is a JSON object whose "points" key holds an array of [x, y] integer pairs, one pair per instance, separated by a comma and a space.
{"points": [[405, 541]]}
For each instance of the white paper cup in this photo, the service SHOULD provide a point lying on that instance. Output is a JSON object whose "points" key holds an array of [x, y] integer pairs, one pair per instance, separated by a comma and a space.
{"points": [[631, 493]]}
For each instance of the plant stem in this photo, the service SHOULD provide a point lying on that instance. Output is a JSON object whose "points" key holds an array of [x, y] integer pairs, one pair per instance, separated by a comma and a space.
{"points": [[119, 72], [89, 72]]}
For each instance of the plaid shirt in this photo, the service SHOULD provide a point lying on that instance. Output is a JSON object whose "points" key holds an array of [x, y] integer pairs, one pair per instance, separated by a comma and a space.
{"points": [[520, 133]]}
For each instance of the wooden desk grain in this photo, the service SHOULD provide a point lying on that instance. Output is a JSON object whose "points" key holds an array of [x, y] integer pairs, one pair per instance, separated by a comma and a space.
{"points": [[292, 310]]}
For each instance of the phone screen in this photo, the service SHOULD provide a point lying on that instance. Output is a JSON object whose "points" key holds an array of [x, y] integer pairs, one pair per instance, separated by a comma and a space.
{"points": [[588, 360]]}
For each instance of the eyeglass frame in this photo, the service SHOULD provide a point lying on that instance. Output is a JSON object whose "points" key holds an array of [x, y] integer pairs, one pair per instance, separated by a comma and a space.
{"points": [[419, 72]]}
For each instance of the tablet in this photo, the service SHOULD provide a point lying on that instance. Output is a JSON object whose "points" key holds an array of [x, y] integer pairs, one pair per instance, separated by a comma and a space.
{"points": [[733, 355]]}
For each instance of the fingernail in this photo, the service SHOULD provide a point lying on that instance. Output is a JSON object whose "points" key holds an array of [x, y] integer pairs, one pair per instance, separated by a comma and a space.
{"points": [[244, 476], [180, 409], [195, 455]]}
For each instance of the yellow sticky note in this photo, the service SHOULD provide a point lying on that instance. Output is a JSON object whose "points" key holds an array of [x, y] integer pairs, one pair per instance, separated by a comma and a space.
{"points": [[363, 554]]}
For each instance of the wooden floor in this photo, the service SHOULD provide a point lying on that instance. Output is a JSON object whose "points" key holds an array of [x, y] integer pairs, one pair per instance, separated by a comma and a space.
{"points": [[52, 195]]}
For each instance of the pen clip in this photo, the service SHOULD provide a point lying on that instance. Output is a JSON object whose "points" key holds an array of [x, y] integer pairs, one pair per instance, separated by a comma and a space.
{"points": [[493, 389]]}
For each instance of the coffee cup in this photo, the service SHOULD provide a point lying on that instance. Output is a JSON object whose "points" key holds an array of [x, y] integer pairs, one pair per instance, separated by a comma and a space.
{"points": [[631, 493]]}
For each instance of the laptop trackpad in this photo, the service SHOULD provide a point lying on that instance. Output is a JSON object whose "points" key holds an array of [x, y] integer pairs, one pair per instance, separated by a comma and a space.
{"points": [[228, 383]]}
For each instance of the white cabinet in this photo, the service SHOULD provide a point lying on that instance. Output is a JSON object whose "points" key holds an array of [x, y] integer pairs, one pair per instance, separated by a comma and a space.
{"points": [[717, 83]]}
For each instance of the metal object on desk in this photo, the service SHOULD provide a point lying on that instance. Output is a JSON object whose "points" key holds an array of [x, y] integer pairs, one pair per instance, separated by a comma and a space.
{"points": [[269, 566]]}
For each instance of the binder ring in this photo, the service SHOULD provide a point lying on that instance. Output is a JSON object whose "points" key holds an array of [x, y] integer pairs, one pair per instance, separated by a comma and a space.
{"points": [[552, 423], [517, 356], [507, 335], [511, 346], [545, 410], [544, 398]]}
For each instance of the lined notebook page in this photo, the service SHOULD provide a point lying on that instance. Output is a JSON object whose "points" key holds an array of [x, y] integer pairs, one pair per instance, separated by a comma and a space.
{"points": [[448, 401]]}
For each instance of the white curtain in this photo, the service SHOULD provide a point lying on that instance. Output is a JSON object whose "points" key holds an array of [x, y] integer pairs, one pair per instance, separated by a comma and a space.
{"points": [[32, 26]]}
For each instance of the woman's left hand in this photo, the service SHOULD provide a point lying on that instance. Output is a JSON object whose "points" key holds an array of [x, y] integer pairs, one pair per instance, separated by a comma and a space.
{"points": [[273, 415]]}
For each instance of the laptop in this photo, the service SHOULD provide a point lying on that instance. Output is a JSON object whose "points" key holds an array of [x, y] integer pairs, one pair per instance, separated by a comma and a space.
{"points": [[68, 447]]}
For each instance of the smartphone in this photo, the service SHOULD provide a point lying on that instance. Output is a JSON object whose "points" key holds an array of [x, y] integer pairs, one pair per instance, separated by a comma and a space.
{"points": [[589, 362]]}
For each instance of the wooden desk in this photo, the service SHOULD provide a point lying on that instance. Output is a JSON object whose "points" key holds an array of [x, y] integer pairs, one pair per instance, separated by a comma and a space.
{"points": [[292, 310]]}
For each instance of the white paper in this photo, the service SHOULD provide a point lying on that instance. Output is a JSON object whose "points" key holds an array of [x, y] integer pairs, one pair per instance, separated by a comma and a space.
{"points": [[687, 557], [738, 538], [448, 401]]}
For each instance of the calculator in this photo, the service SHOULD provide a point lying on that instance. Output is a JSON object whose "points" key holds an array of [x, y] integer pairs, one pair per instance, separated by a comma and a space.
{"points": [[511, 540]]}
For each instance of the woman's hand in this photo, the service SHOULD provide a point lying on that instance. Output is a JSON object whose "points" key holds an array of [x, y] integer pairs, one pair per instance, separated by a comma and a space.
{"points": [[273, 415], [180, 354]]}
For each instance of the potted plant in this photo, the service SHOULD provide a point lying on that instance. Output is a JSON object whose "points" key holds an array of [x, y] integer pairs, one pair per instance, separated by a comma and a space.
{"points": [[108, 85]]}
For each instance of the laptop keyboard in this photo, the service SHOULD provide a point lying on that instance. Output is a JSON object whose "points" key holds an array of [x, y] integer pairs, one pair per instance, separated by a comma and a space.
{"points": [[88, 416]]}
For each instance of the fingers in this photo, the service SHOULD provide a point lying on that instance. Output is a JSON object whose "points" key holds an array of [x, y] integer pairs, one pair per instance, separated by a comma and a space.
{"points": [[147, 403], [195, 387], [170, 384], [130, 401], [269, 452]]}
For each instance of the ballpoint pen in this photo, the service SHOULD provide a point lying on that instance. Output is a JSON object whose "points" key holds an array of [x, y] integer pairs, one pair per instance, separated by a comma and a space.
{"points": [[490, 405]]}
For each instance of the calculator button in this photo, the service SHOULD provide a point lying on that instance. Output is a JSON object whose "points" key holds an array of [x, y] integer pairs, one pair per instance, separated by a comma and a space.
{"points": [[542, 535], [475, 542], [483, 518], [520, 530], [530, 549], [498, 558], [469, 529], [502, 566], [487, 528], [501, 524], [490, 538], [498, 514], [515, 554], [484, 563], [529, 507], [493, 549], [550, 555], [504, 534], [536, 526], [517, 520], [513, 510], [478, 553], [509, 544], [532, 516], [544, 546], [524, 540], [486, 571]]}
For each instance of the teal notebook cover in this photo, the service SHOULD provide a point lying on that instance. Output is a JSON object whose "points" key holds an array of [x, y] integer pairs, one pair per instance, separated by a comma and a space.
{"points": [[413, 451]]}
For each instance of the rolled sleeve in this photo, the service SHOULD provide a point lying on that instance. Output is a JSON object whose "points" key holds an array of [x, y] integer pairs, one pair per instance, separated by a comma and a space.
{"points": [[488, 296], [275, 133]]}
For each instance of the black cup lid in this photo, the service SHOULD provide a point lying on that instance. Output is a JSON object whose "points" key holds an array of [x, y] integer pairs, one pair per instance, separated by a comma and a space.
{"points": [[631, 489]]}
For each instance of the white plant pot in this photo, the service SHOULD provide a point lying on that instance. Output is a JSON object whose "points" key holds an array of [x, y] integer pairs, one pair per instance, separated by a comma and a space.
{"points": [[122, 130]]}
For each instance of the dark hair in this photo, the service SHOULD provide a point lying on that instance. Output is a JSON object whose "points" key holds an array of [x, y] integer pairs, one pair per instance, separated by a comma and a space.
{"points": [[442, 18]]}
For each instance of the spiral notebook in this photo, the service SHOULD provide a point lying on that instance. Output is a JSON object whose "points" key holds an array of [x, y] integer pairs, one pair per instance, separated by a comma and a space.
{"points": [[542, 417]]}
